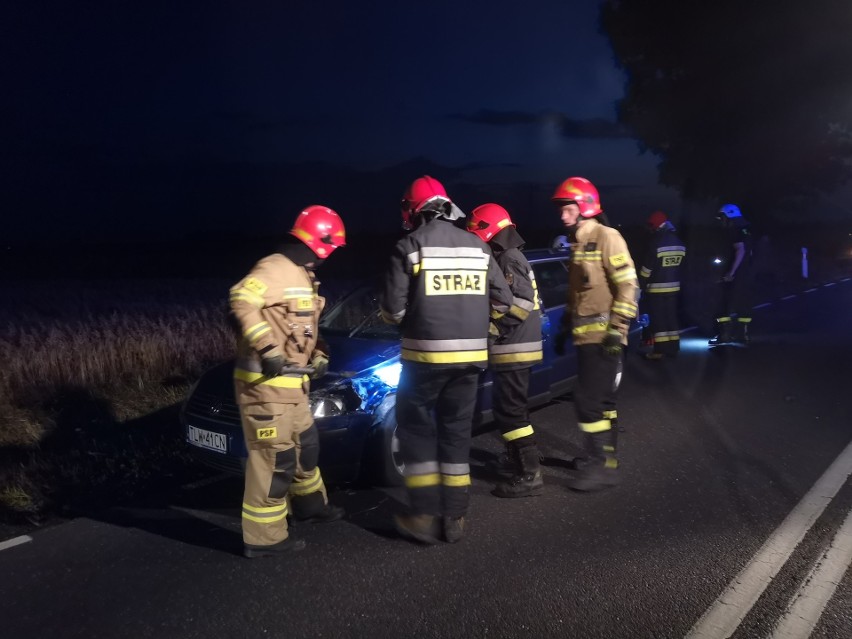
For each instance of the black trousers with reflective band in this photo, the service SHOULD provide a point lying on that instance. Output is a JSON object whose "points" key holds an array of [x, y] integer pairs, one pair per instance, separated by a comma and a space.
{"points": [[596, 389], [735, 297], [663, 313], [434, 413], [510, 400]]}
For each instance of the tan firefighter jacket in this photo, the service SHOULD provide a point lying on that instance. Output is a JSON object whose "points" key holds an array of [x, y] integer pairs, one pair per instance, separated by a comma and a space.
{"points": [[278, 311], [602, 284]]}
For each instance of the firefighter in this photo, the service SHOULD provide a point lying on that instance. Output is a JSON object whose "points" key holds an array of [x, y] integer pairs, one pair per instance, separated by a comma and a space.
{"points": [[733, 313], [441, 287], [515, 351], [601, 302], [277, 307], [659, 280]]}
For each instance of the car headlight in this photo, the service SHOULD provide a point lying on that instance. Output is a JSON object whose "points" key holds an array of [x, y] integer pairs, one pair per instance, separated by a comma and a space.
{"points": [[389, 373], [327, 406]]}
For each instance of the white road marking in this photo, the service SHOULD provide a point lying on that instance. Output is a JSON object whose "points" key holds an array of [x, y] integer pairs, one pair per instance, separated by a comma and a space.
{"points": [[764, 305], [846, 279], [789, 297], [15, 541], [806, 606], [730, 608], [829, 284], [811, 290]]}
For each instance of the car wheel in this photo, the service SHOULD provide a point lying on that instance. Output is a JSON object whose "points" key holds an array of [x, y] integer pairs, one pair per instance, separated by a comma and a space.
{"points": [[388, 466]]}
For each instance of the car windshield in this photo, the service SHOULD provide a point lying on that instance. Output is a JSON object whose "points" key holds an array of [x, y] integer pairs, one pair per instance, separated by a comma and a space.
{"points": [[357, 315]]}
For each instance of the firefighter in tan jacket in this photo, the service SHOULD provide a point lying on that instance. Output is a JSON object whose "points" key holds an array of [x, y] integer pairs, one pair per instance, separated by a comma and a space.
{"points": [[601, 302], [278, 309]]}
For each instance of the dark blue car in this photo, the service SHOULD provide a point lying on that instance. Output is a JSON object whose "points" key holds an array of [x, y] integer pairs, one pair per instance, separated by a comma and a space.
{"points": [[353, 405]]}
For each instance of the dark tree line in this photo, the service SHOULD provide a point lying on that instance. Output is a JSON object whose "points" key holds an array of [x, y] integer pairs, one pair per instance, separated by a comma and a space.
{"points": [[742, 100]]}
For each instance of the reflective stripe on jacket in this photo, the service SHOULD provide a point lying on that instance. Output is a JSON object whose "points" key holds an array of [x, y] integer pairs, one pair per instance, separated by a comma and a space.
{"points": [[661, 266], [519, 344], [602, 284], [442, 285], [278, 309]]}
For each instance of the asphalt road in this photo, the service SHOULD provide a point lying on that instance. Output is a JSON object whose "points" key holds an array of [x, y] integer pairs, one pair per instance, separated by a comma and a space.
{"points": [[720, 457]]}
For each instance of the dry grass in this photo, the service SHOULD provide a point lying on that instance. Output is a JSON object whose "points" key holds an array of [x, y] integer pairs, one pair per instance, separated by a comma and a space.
{"points": [[82, 358]]}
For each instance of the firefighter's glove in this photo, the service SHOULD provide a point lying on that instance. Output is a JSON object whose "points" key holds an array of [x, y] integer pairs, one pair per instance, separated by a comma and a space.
{"points": [[612, 342], [271, 365], [319, 362], [559, 342]]}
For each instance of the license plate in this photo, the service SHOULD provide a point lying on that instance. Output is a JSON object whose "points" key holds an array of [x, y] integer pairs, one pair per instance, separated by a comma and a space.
{"points": [[208, 439]]}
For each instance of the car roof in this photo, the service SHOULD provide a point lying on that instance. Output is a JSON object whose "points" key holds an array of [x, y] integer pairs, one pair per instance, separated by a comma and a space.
{"points": [[545, 254]]}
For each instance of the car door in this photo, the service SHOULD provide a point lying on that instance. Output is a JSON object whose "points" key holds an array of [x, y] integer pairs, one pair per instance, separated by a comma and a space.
{"points": [[553, 375]]}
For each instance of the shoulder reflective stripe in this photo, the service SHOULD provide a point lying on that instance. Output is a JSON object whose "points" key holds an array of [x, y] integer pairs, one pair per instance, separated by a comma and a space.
{"points": [[448, 251], [422, 468], [444, 344], [282, 381], [595, 427], [512, 435], [461, 357], [415, 269], [610, 414], [422, 481], [298, 292], [413, 258], [453, 263], [455, 481], [645, 272]]}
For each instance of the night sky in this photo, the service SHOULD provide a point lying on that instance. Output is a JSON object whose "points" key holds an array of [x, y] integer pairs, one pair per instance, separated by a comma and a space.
{"points": [[181, 118]]}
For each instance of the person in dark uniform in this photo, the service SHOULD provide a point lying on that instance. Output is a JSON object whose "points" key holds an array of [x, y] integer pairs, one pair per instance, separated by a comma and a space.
{"points": [[733, 314], [515, 351], [659, 280], [443, 287]]}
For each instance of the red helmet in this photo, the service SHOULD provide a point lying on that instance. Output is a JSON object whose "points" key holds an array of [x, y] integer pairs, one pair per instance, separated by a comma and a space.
{"points": [[425, 190], [656, 220], [488, 220], [321, 229], [582, 192]]}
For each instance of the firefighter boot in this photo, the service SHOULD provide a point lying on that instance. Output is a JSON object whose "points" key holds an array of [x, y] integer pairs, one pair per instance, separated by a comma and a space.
{"points": [[602, 470], [281, 548], [724, 334], [526, 483], [453, 529], [313, 509], [742, 332], [507, 464], [422, 528]]}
